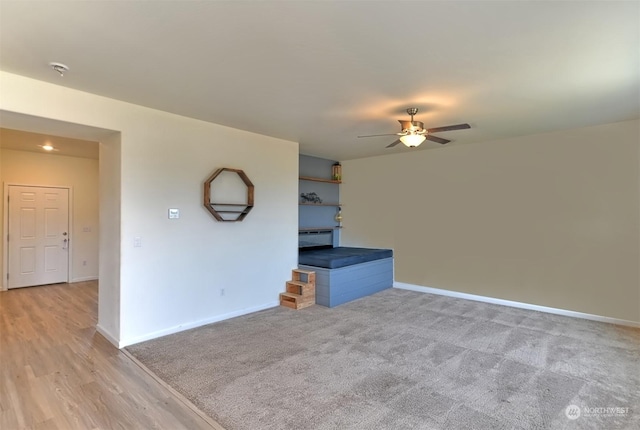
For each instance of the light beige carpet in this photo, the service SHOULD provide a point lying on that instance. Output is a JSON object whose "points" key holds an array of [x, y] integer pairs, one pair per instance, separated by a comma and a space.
{"points": [[405, 360]]}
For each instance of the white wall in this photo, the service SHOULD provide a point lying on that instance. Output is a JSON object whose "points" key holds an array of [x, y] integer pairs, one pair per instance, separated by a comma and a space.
{"points": [[109, 291], [81, 174], [173, 281], [549, 219]]}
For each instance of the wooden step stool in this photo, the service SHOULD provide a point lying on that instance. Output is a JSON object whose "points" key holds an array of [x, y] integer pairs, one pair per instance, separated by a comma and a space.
{"points": [[301, 290]]}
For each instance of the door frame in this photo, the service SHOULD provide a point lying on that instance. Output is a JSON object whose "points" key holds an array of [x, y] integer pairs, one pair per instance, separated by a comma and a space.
{"points": [[5, 228]]}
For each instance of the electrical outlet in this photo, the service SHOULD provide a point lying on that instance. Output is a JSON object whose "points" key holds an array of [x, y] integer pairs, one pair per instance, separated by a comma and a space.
{"points": [[137, 242], [84, 262], [221, 291]]}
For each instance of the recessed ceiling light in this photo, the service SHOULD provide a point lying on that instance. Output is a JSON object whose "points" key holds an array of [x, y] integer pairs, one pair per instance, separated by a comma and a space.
{"points": [[48, 147], [60, 68]]}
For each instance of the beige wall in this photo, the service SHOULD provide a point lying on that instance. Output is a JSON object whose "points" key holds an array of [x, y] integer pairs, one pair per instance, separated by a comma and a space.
{"points": [[81, 174], [550, 219]]}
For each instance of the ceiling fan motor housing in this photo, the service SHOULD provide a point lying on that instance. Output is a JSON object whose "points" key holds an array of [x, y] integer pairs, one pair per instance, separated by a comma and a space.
{"points": [[411, 126]]}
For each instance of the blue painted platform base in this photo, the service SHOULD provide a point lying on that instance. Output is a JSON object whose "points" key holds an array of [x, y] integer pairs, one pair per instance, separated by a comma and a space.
{"points": [[337, 286]]}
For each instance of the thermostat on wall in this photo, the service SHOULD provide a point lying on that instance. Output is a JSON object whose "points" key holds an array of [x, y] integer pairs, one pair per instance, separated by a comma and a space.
{"points": [[174, 213]]}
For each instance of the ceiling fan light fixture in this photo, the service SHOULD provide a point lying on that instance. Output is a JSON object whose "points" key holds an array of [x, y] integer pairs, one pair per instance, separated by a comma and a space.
{"points": [[412, 140]]}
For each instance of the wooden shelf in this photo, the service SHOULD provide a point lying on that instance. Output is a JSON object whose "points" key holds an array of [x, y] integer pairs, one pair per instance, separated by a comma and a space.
{"points": [[212, 206], [229, 211], [320, 204], [309, 178], [228, 204], [319, 228]]}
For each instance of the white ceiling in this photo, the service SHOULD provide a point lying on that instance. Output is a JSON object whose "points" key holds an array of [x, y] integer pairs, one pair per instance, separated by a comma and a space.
{"points": [[322, 73]]}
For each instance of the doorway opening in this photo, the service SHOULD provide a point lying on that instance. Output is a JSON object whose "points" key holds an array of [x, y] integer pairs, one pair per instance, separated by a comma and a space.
{"points": [[104, 196], [51, 208]]}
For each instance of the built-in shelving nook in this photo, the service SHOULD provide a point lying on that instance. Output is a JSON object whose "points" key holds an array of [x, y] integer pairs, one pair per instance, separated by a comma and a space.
{"points": [[319, 210], [230, 198]]}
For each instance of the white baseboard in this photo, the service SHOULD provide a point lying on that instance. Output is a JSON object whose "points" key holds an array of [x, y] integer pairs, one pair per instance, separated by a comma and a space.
{"points": [[188, 326], [108, 336], [513, 304], [83, 279]]}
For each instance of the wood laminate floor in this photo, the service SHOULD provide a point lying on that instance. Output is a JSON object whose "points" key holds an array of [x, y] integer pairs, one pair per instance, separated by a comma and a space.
{"points": [[57, 372]]}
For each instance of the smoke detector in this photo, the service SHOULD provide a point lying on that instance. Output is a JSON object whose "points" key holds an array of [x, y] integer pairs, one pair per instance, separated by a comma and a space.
{"points": [[60, 68]]}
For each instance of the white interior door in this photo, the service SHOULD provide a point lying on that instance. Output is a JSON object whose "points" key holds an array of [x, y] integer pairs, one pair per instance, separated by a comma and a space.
{"points": [[38, 236]]}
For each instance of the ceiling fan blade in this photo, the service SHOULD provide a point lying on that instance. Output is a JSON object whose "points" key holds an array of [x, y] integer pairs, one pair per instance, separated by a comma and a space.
{"points": [[376, 135], [391, 145], [437, 139], [449, 128]]}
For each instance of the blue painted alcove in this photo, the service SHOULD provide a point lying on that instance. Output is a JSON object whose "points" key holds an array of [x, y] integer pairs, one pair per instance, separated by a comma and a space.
{"points": [[312, 216]]}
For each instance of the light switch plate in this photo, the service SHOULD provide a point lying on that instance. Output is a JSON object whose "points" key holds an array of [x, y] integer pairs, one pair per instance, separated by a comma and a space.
{"points": [[174, 213]]}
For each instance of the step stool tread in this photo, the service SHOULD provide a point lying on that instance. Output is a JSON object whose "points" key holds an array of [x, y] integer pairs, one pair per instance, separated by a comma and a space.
{"points": [[300, 283], [306, 272]]}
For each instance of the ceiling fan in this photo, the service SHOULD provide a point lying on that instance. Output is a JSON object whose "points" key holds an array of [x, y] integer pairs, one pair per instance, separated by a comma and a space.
{"points": [[413, 132]]}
